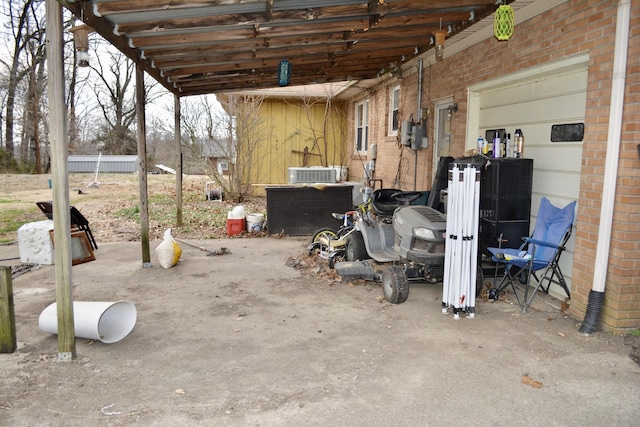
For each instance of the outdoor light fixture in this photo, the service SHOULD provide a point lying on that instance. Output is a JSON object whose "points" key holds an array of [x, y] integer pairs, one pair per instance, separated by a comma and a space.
{"points": [[503, 22], [284, 72], [81, 42], [440, 36]]}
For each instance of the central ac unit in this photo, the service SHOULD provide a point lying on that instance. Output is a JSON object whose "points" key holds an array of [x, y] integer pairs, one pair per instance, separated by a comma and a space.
{"points": [[312, 175]]}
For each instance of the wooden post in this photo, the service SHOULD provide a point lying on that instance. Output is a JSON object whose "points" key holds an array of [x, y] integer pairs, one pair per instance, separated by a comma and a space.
{"points": [[142, 167], [60, 180], [8, 341], [179, 160]]}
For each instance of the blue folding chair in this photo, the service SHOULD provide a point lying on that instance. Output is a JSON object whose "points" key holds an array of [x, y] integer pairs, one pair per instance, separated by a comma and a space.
{"points": [[540, 252]]}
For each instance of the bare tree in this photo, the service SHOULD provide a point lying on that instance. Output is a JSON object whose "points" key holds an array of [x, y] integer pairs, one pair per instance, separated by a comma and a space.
{"points": [[246, 129], [23, 25], [228, 136], [116, 101], [115, 97], [30, 152], [160, 143], [77, 109], [203, 130]]}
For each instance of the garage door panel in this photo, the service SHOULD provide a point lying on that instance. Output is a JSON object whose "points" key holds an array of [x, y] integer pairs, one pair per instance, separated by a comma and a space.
{"points": [[536, 111], [550, 87], [556, 183], [563, 159], [540, 135]]}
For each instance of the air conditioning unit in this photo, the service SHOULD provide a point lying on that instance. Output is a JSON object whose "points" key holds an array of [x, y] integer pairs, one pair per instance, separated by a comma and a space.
{"points": [[312, 175]]}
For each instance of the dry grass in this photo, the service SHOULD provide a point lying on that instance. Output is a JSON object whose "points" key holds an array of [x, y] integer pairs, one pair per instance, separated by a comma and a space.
{"points": [[113, 208]]}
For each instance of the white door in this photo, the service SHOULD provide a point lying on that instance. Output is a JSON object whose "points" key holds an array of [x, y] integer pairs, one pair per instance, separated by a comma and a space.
{"points": [[442, 132], [535, 103]]}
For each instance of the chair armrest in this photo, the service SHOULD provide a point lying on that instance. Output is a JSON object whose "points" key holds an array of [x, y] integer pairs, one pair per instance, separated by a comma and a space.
{"points": [[542, 243]]}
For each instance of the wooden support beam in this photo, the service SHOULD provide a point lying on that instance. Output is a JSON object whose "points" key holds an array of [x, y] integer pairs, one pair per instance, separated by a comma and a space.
{"points": [[142, 168], [60, 180], [178, 135], [8, 342]]}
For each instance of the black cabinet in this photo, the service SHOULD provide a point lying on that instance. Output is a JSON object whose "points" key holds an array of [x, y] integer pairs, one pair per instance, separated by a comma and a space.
{"points": [[505, 202], [297, 210]]}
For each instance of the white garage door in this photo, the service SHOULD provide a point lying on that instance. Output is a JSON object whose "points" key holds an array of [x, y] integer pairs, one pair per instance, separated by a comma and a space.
{"points": [[534, 101]]}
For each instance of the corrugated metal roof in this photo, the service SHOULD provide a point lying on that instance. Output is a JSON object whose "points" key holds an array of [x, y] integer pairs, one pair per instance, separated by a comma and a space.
{"points": [[214, 46]]}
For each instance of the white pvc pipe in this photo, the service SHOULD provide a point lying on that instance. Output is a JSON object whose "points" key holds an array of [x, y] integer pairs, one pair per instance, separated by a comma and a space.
{"points": [[476, 236], [613, 145], [108, 322], [459, 282]]}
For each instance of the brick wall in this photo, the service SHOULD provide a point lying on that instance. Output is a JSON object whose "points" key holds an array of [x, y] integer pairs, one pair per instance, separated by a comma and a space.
{"points": [[574, 27]]}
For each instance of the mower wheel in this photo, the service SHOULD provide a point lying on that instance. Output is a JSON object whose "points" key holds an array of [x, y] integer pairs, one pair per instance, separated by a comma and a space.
{"points": [[395, 286], [355, 248]]}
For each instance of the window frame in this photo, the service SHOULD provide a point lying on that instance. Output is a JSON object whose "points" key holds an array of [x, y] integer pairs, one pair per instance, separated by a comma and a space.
{"points": [[361, 126], [394, 111]]}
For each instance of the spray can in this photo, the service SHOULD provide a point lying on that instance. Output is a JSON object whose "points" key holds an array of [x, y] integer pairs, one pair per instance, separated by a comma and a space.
{"points": [[481, 144], [497, 147], [519, 143], [510, 149]]}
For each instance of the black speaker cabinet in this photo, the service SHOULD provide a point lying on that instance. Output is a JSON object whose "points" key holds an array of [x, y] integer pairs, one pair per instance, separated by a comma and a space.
{"points": [[505, 202], [297, 210]]}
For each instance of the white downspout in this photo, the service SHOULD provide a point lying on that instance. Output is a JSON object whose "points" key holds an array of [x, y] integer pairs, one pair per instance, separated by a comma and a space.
{"points": [[424, 127], [596, 296]]}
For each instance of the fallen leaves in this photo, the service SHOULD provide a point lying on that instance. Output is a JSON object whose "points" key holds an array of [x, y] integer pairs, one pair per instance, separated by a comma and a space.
{"points": [[314, 266], [527, 380]]}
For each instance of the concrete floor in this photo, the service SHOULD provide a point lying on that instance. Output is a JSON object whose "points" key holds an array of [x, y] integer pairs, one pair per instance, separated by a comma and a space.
{"points": [[245, 339]]}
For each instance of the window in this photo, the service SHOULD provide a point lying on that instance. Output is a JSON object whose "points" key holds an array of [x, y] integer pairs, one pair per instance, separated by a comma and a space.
{"points": [[573, 132], [394, 109], [362, 126]]}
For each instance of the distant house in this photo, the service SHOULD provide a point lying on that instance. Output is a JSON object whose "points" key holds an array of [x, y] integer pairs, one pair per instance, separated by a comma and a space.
{"points": [[218, 155], [102, 163]]}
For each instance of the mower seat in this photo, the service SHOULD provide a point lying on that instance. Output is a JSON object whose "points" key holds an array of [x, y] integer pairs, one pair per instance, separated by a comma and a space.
{"points": [[382, 202]]}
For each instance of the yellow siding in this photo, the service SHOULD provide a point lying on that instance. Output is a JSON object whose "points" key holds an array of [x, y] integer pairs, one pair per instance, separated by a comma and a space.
{"points": [[291, 126]]}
